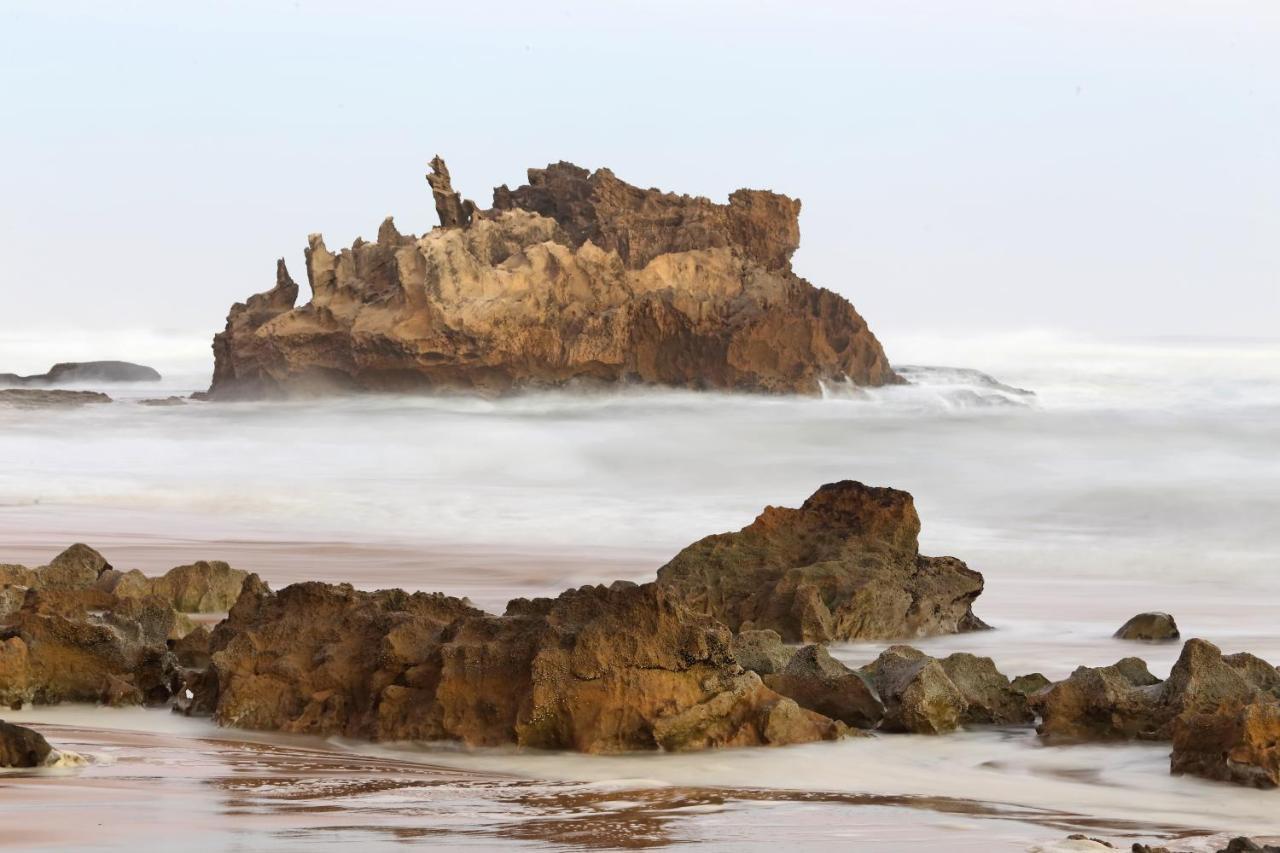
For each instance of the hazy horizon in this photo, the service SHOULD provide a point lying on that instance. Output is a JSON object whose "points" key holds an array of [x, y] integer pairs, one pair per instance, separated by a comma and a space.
{"points": [[1093, 169]]}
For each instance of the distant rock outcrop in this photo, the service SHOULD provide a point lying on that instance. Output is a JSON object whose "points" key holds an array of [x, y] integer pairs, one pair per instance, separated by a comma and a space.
{"points": [[577, 277], [86, 371]]}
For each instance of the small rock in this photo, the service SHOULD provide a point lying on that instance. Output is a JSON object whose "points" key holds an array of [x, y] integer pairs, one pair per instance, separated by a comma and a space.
{"points": [[1031, 683], [27, 398], [22, 747], [77, 567], [1149, 626], [762, 651]]}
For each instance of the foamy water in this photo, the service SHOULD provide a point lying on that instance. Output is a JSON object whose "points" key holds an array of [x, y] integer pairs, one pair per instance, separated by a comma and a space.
{"points": [[1140, 476]]}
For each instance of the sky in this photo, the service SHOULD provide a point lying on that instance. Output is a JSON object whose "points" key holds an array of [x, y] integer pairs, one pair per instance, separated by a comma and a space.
{"points": [[1100, 168]]}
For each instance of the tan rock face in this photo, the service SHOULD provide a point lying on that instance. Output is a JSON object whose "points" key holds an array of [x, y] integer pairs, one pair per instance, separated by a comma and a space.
{"points": [[844, 566], [1125, 701], [577, 277], [78, 630], [598, 669]]}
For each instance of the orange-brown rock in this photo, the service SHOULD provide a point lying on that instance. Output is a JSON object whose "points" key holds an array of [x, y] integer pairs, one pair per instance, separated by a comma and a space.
{"points": [[1125, 701], [78, 630], [575, 278], [844, 566], [1232, 744], [598, 669]]}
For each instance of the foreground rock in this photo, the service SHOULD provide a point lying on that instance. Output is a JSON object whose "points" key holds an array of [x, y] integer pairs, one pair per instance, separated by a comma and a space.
{"points": [[1149, 626], [844, 566], [819, 682], [22, 747], [1222, 712], [78, 630], [86, 371], [576, 277], [22, 398], [598, 669]]}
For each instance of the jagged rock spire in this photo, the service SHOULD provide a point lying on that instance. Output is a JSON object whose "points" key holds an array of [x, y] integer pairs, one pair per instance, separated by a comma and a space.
{"points": [[453, 211]]}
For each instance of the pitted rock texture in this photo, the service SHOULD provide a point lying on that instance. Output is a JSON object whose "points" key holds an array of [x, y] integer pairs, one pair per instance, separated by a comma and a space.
{"points": [[844, 566], [86, 371], [78, 630], [575, 278], [598, 669], [1126, 701]]}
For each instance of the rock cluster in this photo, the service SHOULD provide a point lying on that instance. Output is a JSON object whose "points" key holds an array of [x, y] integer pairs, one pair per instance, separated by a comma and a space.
{"points": [[845, 565], [1221, 712], [78, 630], [576, 277], [903, 690]]}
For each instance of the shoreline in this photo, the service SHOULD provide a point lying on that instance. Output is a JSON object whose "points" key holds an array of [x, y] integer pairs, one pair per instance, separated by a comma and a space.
{"points": [[328, 792]]}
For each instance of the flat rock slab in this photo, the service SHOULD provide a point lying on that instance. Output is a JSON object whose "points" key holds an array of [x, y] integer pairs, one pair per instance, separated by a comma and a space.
{"points": [[23, 398]]}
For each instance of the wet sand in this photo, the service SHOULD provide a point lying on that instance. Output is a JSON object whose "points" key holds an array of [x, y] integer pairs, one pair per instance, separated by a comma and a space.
{"points": [[156, 781]]}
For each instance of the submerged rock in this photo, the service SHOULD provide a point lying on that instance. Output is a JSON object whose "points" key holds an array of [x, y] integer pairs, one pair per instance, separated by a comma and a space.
{"points": [[86, 371], [24, 398], [22, 747], [1149, 626], [1125, 701], [843, 566], [576, 277]]}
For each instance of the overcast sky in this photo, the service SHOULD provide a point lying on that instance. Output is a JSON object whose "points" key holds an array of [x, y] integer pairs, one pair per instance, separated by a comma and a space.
{"points": [[1109, 168]]}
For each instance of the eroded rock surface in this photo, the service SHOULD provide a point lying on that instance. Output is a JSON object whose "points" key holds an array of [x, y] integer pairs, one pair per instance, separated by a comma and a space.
{"points": [[843, 566], [1125, 701], [1240, 745], [575, 277], [598, 669], [77, 630]]}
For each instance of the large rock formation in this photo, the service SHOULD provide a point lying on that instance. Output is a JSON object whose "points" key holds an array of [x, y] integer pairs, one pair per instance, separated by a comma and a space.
{"points": [[597, 669], [575, 277], [844, 566]]}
